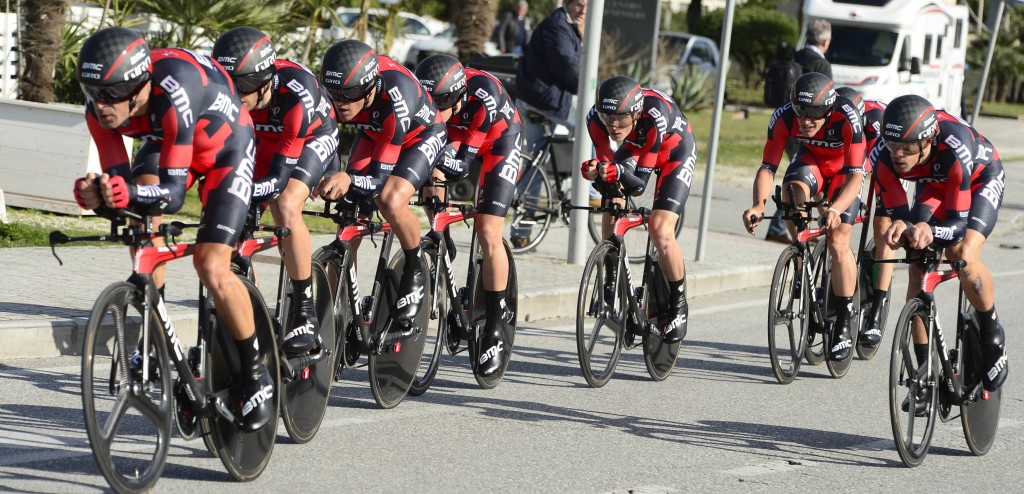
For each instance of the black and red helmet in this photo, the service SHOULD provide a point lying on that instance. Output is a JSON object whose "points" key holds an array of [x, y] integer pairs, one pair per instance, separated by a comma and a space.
{"points": [[813, 95], [247, 54], [619, 95], [854, 96], [113, 64], [349, 70], [444, 78], [909, 118]]}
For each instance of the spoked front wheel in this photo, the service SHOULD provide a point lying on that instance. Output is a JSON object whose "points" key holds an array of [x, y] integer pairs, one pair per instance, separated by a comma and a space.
{"points": [[244, 454], [912, 392], [980, 419], [304, 400], [600, 316], [532, 210], [787, 316], [128, 421], [659, 356], [479, 313]]}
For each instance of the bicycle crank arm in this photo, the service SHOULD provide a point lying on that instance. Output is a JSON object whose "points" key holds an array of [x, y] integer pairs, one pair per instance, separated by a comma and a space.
{"points": [[293, 367], [222, 409], [391, 341]]}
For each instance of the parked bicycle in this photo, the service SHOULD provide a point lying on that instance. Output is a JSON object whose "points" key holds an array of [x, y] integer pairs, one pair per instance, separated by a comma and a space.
{"points": [[306, 379], [923, 388], [539, 195], [128, 416], [617, 315], [364, 325], [801, 305], [457, 313]]}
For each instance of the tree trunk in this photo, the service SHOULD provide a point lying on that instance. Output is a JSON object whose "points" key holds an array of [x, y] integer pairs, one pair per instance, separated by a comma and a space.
{"points": [[474, 20], [40, 47]]}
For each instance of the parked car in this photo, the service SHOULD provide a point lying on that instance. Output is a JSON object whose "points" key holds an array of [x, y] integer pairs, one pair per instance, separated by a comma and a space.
{"points": [[693, 50], [412, 28], [444, 42]]}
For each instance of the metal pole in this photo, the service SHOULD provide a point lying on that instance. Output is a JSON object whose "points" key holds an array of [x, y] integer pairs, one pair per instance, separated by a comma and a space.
{"points": [[716, 122], [582, 149], [988, 61]]}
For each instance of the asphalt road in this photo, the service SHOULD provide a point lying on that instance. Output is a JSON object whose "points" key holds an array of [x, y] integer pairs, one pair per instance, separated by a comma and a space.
{"points": [[720, 423]]}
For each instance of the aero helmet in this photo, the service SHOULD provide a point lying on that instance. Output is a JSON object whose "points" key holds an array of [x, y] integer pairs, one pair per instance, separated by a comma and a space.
{"points": [[349, 70], [619, 95], [444, 78], [247, 54], [113, 65], [909, 118], [813, 95]]}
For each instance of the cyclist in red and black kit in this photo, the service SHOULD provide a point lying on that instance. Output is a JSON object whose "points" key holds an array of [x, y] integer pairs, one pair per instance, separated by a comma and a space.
{"points": [[184, 108], [296, 140], [482, 121], [831, 151], [656, 138], [401, 137], [871, 117], [960, 182]]}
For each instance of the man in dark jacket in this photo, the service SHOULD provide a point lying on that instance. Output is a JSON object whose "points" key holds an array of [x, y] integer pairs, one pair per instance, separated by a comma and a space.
{"points": [[812, 56], [514, 30], [549, 71], [548, 77]]}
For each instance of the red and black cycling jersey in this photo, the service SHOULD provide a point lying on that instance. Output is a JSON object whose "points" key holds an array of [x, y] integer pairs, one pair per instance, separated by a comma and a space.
{"points": [[661, 132], [838, 147], [400, 114], [300, 115], [487, 114], [203, 131], [873, 112], [961, 160]]}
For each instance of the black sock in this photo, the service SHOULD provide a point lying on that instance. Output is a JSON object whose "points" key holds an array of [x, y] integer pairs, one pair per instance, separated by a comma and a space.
{"points": [[878, 297], [677, 292], [844, 309], [161, 291], [987, 320], [302, 290], [249, 356], [921, 352], [495, 305], [412, 259]]}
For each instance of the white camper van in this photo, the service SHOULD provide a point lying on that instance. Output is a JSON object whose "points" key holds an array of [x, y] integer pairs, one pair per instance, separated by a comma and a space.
{"points": [[886, 48]]}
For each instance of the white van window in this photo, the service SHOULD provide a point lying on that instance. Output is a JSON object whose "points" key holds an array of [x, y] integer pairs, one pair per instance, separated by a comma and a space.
{"points": [[927, 50], [861, 46], [959, 33]]}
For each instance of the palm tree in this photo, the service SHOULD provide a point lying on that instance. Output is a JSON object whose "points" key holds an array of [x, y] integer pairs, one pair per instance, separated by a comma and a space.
{"points": [[199, 22], [40, 47], [474, 20]]}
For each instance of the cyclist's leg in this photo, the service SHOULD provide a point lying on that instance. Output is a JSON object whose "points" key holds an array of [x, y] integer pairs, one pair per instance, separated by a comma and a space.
{"points": [[410, 174], [212, 261], [498, 177], [976, 279], [672, 190], [302, 326], [803, 176], [844, 272]]}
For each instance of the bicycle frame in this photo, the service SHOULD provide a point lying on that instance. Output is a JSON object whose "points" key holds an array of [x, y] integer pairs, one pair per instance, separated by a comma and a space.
{"points": [[351, 228], [953, 381], [442, 221]]}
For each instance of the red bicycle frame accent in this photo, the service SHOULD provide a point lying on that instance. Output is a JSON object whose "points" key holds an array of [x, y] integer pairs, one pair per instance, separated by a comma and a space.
{"points": [[813, 233], [352, 232], [249, 247], [623, 225], [444, 219], [932, 279], [146, 259]]}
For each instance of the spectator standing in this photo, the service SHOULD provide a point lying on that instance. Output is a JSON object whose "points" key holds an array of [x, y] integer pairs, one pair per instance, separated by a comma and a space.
{"points": [[514, 29], [812, 56]]}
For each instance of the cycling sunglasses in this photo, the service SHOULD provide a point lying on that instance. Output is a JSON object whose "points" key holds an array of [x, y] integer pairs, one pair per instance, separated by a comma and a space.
{"points": [[616, 121], [448, 100], [115, 93], [910, 147], [250, 83], [812, 112], [349, 94]]}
